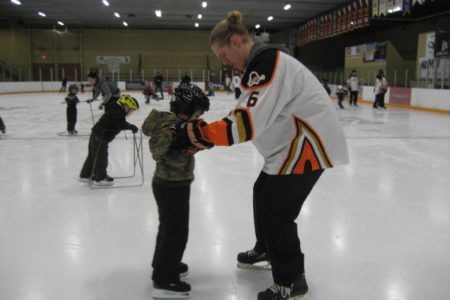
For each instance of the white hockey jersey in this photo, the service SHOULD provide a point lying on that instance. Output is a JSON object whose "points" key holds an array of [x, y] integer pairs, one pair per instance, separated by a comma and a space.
{"points": [[286, 113], [236, 81]]}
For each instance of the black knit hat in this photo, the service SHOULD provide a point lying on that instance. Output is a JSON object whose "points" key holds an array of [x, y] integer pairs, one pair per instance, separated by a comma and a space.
{"points": [[92, 74]]}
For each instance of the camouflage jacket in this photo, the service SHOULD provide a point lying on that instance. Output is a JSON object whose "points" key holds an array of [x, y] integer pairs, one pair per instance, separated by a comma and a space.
{"points": [[171, 165]]}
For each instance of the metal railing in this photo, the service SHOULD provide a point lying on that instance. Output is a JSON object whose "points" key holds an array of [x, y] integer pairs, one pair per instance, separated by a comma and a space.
{"points": [[430, 73], [126, 74]]}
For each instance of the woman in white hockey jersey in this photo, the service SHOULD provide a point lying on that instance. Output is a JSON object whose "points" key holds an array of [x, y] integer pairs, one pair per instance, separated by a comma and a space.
{"points": [[286, 113]]}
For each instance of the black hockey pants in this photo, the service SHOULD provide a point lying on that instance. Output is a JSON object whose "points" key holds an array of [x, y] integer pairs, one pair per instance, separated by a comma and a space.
{"points": [[173, 209], [2, 126], [98, 155], [158, 87], [379, 101], [353, 97], [277, 200], [71, 117]]}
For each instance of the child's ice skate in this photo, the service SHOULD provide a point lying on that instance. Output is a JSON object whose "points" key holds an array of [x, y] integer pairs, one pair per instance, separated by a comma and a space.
{"points": [[177, 290], [252, 260]]}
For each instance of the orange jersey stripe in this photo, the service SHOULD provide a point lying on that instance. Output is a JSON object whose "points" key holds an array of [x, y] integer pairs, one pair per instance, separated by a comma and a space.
{"points": [[216, 132], [307, 156]]}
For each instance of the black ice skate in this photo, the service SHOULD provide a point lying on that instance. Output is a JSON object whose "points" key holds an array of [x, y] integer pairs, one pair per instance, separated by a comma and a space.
{"points": [[106, 181], [2, 126], [84, 179], [299, 288], [184, 269], [275, 292], [252, 260], [178, 290]]}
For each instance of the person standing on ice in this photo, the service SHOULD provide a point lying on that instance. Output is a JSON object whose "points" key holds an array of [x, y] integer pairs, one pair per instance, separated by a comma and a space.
{"points": [[287, 114], [171, 186], [71, 111], [103, 133], [104, 87]]}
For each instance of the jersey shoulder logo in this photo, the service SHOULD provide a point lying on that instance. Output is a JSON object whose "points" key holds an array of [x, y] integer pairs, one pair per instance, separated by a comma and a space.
{"points": [[261, 70], [254, 78]]}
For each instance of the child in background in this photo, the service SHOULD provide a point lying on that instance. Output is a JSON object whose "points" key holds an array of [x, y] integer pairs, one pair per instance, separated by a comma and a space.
{"points": [[237, 85], [104, 131], [71, 112], [148, 92], [380, 90], [340, 93], [171, 183], [169, 90], [2, 126], [211, 89]]}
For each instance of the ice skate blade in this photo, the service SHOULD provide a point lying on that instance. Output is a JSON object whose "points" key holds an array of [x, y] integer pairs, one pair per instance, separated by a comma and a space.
{"points": [[298, 297], [103, 183], [184, 274], [159, 294], [73, 135], [65, 133], [255, 267]]}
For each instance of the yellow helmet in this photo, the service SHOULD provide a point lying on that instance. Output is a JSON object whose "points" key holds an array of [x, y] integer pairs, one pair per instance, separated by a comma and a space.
{"points": [[129, 101]]}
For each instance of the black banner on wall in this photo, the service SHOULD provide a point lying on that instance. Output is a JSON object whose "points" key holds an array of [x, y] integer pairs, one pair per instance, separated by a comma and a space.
{"points": [[441, 44]]}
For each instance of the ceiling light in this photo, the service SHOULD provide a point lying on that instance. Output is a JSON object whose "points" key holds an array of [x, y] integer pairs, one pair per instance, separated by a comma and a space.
{"points": [[117, 15], [60, 23], [199, 16], [269, 18], [105, 2], [287, 7], [196, 25], [395, 9], [204, 4], [125, 24], [257, 26], [16, 2], [42, 14], [158, 13]]}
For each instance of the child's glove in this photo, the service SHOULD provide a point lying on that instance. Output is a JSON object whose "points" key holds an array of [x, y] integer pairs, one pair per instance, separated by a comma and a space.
{"points": [[133, 128], [191, 150], [195, 134]]}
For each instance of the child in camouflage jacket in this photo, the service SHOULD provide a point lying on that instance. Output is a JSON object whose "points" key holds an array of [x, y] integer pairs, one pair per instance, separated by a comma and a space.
{"points": [[171, 183]]}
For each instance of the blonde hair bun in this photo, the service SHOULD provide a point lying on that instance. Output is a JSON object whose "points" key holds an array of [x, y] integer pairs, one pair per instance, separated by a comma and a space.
{"points": [[234, 18]]}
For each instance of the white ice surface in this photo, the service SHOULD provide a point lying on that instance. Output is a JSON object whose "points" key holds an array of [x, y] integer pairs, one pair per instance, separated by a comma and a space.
{"points": [[376, 229]]}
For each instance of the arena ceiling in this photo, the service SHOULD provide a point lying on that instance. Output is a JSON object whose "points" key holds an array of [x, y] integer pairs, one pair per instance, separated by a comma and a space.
{"points": [[176, 14]]}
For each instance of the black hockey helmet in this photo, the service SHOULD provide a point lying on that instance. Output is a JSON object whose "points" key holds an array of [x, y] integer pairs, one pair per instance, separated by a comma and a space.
{"points": [[187, 99], [73, 88], [92, 74]]}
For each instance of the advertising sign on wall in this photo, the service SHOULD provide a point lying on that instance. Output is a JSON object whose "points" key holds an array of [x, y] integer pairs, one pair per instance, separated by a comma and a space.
{"points": [[375, 52], [400, 95], [353, 51]]}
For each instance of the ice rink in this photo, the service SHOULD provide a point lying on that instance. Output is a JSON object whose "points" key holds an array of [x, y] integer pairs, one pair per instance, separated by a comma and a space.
{"points": [[376, 229]]}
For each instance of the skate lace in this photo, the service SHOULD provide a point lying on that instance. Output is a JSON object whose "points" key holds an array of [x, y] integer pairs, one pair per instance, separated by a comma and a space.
{"points": [[252, 253], [284, 291]]}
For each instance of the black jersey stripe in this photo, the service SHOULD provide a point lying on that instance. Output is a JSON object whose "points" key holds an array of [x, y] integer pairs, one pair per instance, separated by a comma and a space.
{"points": [[229, 131], [244, 122]]}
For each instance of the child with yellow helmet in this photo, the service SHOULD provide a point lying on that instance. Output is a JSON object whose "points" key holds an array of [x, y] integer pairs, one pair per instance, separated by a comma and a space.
{"points": [[104, 131]]}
